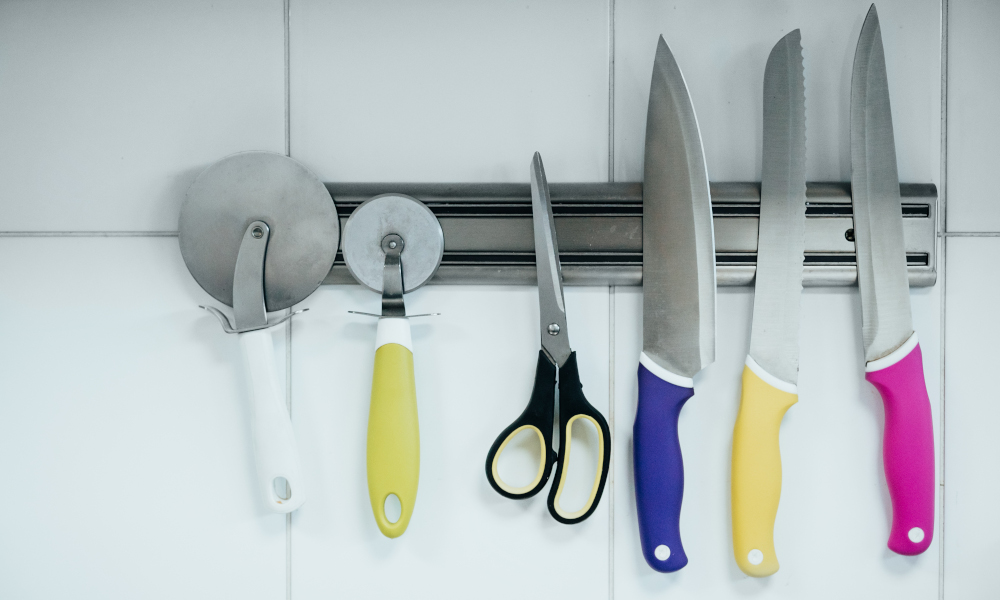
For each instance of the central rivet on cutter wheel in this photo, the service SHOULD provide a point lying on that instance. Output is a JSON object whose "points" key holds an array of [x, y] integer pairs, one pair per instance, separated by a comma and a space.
{"points": [[553, 329]]}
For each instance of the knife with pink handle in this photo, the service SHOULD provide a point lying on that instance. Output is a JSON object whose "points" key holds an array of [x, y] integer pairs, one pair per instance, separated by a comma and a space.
{"points": [[908, 446], [894, 362]]}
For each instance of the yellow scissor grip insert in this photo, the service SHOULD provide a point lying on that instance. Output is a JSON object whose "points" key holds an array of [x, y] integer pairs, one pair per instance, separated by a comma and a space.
{"points": [[565, 468], [510, 489]]}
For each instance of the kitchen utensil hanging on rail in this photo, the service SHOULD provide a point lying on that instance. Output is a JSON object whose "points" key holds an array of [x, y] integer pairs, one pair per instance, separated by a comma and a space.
{"points": [[894, 364], [555, 356], [772, 365], [678, 305], [393, 244], [259, 232]]}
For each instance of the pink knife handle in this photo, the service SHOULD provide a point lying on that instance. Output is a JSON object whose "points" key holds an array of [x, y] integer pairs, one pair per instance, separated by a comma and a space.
{"points": [[907, 449]]}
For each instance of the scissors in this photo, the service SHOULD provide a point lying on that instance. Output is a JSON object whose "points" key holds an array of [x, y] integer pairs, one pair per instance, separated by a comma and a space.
{"points": [[555, 356]]}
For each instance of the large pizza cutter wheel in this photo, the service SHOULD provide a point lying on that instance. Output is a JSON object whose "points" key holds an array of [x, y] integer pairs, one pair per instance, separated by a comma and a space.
{"points": [[259, 233], [393, 244]]}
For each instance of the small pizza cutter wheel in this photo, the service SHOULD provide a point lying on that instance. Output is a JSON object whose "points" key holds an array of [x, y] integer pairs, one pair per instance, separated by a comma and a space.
{"points": [[259, 233], [393, 244]]}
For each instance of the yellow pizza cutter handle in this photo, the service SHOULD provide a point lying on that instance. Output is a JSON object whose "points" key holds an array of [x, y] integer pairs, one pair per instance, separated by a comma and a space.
{"points": [[393, 430]]}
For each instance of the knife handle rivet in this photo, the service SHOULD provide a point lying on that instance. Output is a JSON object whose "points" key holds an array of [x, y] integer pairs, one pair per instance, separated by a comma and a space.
{"points": [[257, 233], [849, 235], [553, 329], [755, 557], [916, 535], [662, 552]]}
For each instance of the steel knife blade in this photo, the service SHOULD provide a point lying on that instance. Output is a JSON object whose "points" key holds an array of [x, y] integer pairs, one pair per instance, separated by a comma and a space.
{"points": [[894, 361], [678, 336], [771, 371]]}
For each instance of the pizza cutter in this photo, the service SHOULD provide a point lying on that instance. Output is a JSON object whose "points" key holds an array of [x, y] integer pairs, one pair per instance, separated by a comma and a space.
{"points": [[393, 244], [259, 232]]}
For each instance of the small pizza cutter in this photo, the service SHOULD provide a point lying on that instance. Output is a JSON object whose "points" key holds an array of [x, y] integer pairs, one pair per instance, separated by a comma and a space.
{"points": [[259, 232], [393, 244]]}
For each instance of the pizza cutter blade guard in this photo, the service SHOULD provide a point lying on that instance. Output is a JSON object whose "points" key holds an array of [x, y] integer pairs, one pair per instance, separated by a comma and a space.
{"points": [[393, 244], [259, 232]]}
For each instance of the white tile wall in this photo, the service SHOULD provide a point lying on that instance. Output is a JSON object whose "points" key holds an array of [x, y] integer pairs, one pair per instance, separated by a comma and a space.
{"points": [[123, 423], [972, 529], [973, 121], [973, 454], [110, 108], [444, 91], [124, 431]]}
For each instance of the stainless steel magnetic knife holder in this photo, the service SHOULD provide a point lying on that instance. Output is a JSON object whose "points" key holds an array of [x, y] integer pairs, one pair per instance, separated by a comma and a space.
{"points": [[488, 231]]}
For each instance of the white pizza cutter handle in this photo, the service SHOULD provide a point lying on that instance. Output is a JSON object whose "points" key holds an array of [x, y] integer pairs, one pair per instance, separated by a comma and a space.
{"points": [[273, 439]]}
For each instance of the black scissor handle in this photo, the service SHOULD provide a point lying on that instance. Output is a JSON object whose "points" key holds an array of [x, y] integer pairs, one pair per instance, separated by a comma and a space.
{"points": [[573, 405], [537, 417]]}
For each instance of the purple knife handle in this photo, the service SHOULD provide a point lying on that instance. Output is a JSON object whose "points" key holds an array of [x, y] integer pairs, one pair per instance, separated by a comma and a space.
{"points": [[659, 470], [907, 450]]}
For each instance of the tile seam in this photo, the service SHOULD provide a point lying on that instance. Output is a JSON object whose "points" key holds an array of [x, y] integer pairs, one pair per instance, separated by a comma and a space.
{"points": [[611, 91], [943, 268], [610, 485], [286, 32], [88, 234]]}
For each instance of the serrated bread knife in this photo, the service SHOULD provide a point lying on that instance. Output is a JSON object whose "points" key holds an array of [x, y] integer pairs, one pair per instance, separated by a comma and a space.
{"points": [[894, 363], [678, 305], [772, 366]]}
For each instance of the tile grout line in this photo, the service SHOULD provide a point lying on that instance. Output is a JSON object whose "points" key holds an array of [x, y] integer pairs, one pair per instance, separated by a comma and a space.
{"points": [[13, 234], [942, 267], [288, 405], [288, 84], [969, 234], [611, 91], [610, 485], [286, 12]]}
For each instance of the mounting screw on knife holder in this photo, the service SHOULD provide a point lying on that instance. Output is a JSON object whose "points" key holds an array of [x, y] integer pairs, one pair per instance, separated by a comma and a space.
{"points": [[259, 232], [393, 244]]}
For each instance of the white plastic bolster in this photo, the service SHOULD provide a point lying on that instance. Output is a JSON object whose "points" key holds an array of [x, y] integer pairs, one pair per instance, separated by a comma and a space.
{"points": [[664, 374], [771, 380], [393, 330], [893, 357]]}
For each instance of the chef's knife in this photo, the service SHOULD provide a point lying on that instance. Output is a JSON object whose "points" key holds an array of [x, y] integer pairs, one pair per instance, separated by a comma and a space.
{"points": [[678, 286], [894, 363], [771, 371]]}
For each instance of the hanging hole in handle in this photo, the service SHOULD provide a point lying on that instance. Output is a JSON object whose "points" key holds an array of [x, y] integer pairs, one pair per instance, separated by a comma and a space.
{"points": [[392, 508], [520, 459], [583, 463], [282, 489]]}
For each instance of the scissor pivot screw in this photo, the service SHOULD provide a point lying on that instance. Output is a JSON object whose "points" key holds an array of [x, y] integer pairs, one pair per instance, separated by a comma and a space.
{"points": [[553, 329]]}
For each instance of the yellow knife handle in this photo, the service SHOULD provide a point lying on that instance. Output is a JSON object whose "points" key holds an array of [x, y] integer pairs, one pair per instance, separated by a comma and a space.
{"points": [[756, 476], [393, 431]]}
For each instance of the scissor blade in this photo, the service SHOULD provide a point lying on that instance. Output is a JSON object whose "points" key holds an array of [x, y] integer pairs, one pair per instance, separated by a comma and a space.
{"points": [[878, 219], [551, 309]]}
